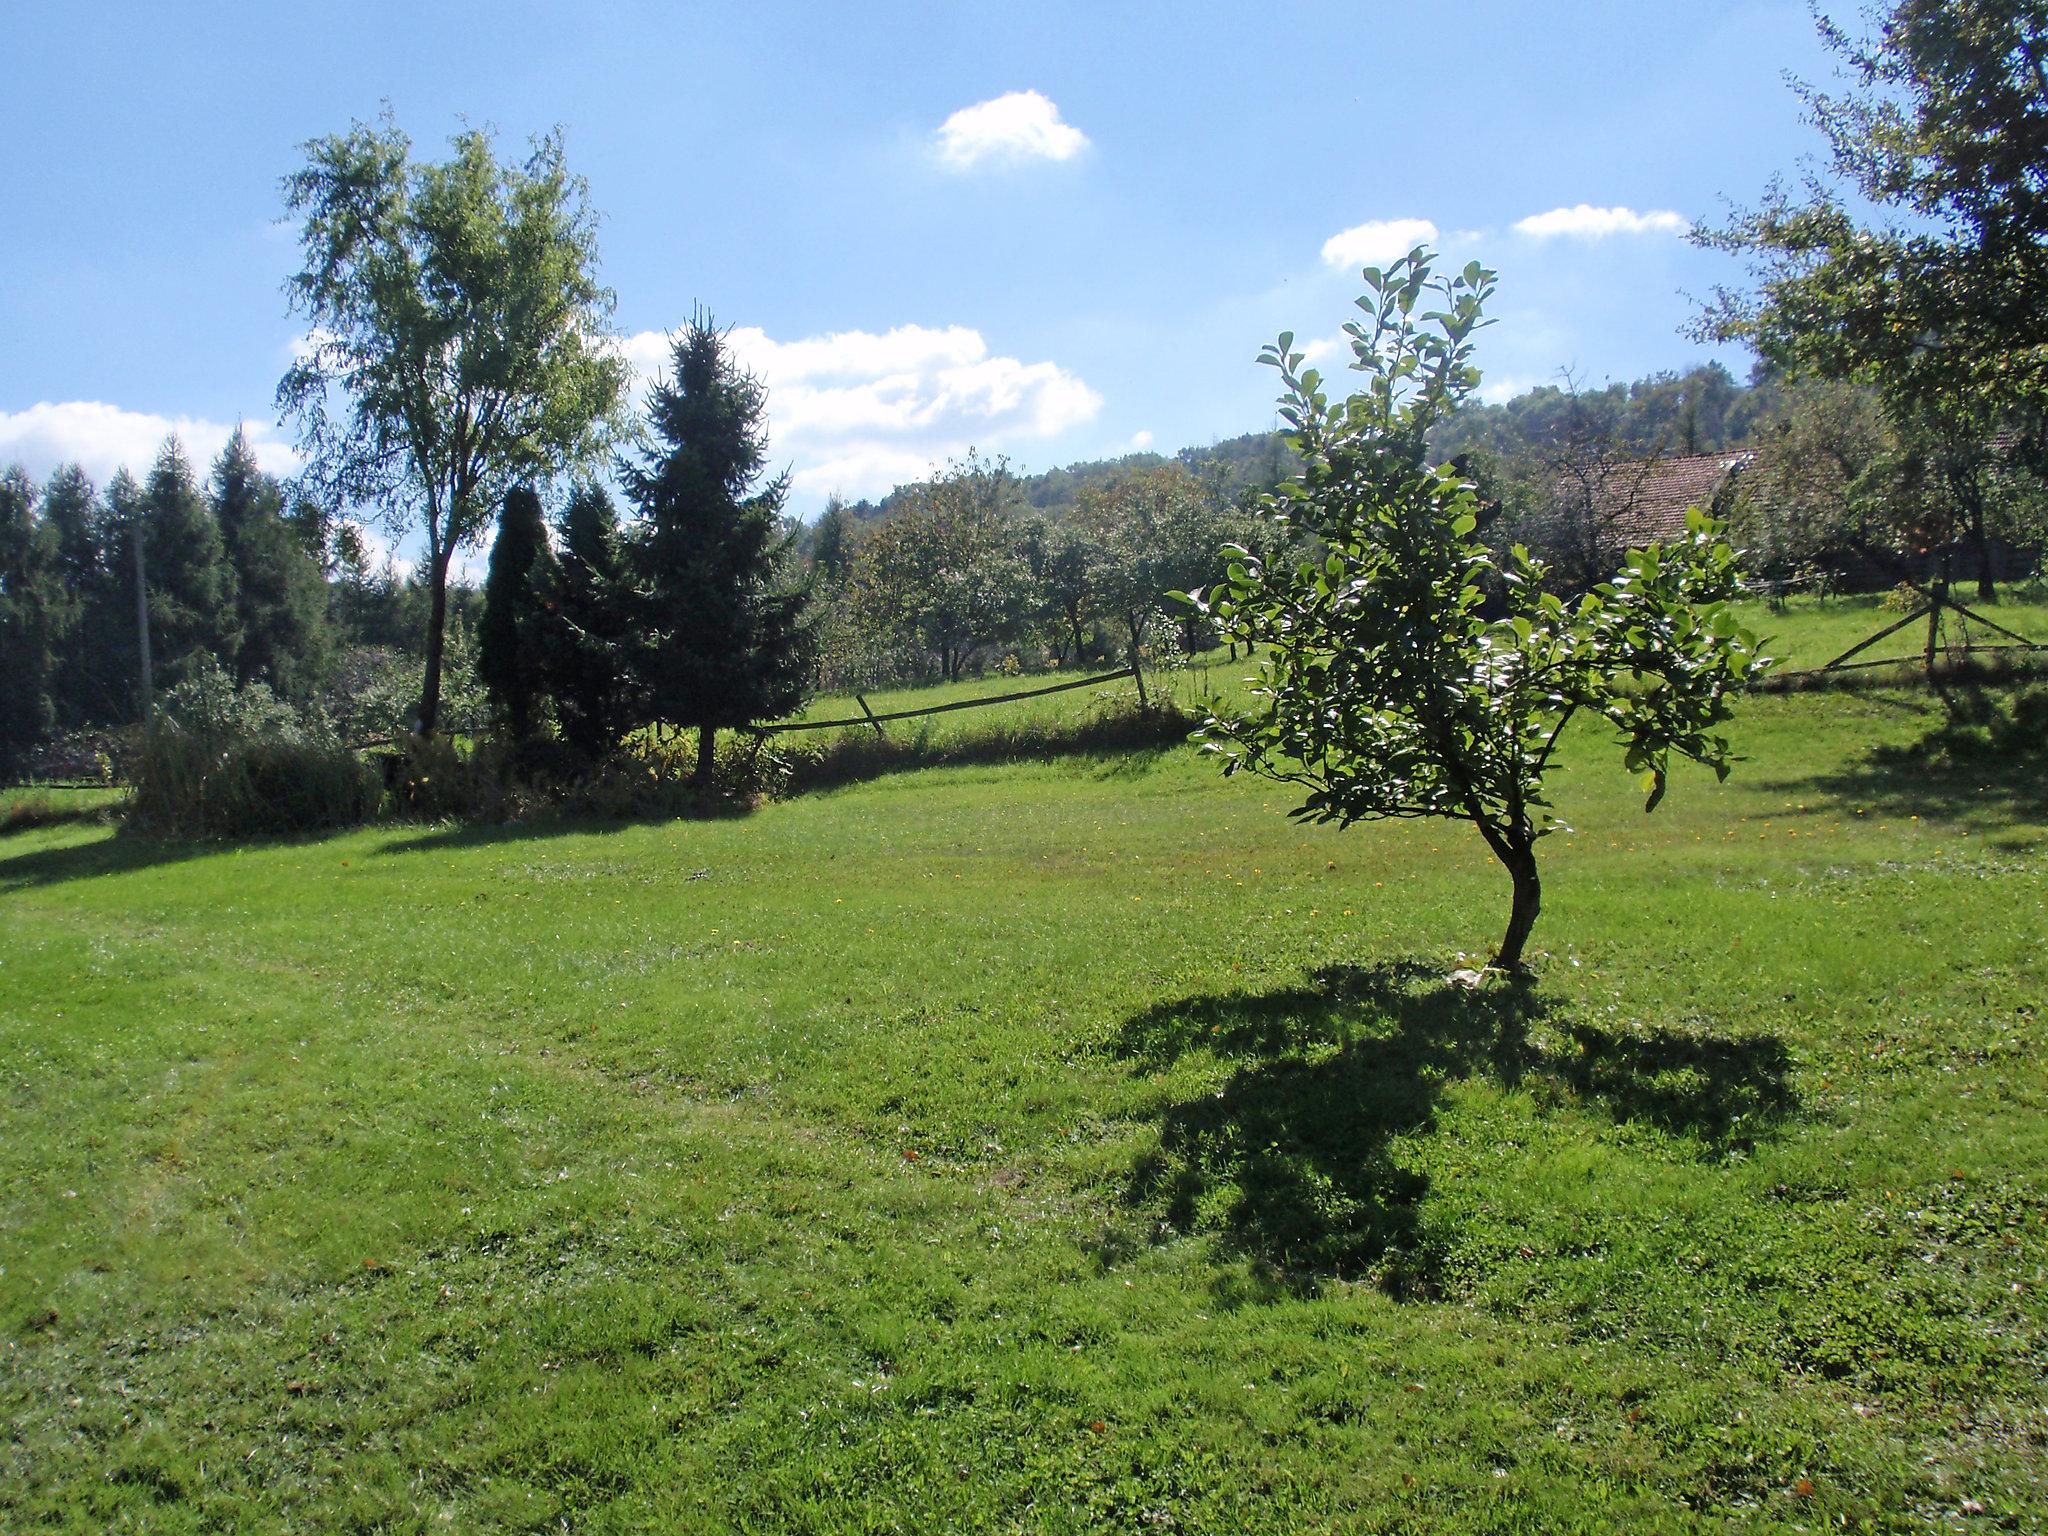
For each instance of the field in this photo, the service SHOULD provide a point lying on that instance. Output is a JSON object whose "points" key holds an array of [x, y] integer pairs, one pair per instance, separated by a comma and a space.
{"points": [[1049, 1147]]}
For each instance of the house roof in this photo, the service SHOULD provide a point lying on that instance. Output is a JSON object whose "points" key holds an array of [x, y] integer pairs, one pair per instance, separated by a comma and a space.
{"points": [[1644, 502]]}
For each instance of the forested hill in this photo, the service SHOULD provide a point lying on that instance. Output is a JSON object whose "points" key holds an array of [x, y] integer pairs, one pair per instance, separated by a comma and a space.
{"points": [[1703, 411]]}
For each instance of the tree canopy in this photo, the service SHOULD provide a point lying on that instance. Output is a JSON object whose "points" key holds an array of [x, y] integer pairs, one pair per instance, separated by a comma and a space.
{"points": [[1410, 670], [459, 336]]}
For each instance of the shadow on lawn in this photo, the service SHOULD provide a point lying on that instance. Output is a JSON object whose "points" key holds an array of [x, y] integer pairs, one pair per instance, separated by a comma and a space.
{"points": [[116, 855], [2007, 790], [1296, 1162]]}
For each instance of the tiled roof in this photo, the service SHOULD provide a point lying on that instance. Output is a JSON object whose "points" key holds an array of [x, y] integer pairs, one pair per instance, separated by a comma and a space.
{"points": [[1647, 502]]}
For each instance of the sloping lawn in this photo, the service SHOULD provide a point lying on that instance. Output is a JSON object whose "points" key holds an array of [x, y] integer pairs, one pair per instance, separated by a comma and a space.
{"points": [[1066, 1147]]}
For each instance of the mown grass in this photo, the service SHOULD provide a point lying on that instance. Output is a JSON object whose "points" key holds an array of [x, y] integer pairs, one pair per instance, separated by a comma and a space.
{"points": [[1076, 1146], [1810, 632]]}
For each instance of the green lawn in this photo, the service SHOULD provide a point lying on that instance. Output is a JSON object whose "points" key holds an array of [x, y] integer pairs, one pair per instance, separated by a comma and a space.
{"points": [[1810, 632], [1078, 1146]]}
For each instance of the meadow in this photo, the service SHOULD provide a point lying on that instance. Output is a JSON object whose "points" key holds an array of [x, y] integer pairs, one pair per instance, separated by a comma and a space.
{"points": [[1061, 1146]]}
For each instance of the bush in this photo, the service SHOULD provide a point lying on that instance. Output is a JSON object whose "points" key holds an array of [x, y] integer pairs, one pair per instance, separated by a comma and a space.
{"points": [[433, 779], [225, 761], [188, 785]]}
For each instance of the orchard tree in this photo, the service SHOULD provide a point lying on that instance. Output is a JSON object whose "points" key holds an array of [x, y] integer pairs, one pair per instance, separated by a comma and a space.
{"points": [[1408, 670], [1919, 261], [1156, 530], [458, 340], [723, 642], [943, 574]]}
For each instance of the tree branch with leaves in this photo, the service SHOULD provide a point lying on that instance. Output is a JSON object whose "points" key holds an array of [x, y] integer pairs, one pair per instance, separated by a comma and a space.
{"points": [[1409, 670]]}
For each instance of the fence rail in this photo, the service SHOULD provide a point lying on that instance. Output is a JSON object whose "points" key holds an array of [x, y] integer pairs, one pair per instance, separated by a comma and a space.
{"points": [[869, 717]]}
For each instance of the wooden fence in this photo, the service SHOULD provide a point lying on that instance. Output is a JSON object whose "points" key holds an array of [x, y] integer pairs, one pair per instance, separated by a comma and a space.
{"points": [[869, 717]]}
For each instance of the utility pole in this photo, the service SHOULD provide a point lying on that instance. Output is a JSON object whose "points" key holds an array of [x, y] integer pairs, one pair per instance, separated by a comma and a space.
{"points": [[142, 630]]}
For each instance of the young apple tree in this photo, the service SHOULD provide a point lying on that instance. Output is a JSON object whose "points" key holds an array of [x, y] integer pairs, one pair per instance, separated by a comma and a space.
{"points": [[1407, 668]]}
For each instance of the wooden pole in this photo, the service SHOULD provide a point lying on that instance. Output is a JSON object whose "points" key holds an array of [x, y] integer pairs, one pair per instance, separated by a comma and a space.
{"points": [[142, 631]]}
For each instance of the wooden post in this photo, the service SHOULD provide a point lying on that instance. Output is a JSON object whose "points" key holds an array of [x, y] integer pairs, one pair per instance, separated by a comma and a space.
{"points": [[861, 700], [142, 631]]}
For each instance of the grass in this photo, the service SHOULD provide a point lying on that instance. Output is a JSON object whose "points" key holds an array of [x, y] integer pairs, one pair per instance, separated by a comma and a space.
{"points": [[1074, 1146], [1810, 632], [42, 806]]}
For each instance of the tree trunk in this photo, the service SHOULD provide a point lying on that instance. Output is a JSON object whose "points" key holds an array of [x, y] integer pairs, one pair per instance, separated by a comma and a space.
{"points": [[1520, 859], [707, 754], [1078, 658], [437, 635]]}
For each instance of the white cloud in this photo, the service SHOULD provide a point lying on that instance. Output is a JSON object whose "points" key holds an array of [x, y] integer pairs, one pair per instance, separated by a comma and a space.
{"points": [[1141, 440], [1585, 222], [102, 438], [1500, 391], [860, 412], [1377, 242], [1314, 352], [1022, 125]]}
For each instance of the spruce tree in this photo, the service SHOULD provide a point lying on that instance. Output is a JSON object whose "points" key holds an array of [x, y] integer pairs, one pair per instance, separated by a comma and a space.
{"points": [[34, 615], [280, 590], [588, 632], [509, 635], [191, 587], [94, 677], [724, 643]]}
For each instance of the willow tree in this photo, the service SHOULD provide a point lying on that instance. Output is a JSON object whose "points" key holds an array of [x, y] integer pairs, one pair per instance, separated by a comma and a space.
{"points": [[458, 341]]}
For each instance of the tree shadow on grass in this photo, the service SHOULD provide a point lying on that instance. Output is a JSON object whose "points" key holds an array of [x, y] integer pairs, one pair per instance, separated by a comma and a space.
{"points": [[1983, 765], [1297, 1162], [1123, 741], [121, 854]]}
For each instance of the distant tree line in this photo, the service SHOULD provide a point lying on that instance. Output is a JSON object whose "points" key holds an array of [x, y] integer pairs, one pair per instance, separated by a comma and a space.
{"points": [[236, 574]]}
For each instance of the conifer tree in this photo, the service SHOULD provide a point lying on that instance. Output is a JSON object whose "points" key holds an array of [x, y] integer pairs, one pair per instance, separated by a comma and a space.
{"points": [[587, 649], [509, 635], [94, 676], [280, 591], [34, 614], [191, 587], [724, 639]]}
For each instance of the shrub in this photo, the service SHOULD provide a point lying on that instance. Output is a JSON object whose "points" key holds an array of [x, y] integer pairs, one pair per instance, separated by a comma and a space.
{"points": [[188, 785], [225, 761], [433, 779]]}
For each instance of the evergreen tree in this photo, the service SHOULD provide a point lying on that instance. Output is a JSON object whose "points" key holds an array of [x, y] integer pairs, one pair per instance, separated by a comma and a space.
{"points": [[123, 517], [587, 644], [830, 542], [191, 587], [34, 613], [724, 641], [95, 670], [280, 590], [509, 636]]}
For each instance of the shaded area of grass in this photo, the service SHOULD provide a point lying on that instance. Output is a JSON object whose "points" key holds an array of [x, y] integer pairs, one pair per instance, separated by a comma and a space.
{"points": [[853, 756], [24, 809], [1297, 1159]]}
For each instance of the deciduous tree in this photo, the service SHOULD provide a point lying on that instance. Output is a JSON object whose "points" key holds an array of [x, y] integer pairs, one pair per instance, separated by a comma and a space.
{"points": [[1408, 669], [1940, 300], [458, 342]]}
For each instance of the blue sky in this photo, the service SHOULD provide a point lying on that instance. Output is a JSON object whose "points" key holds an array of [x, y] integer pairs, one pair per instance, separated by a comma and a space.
{"points": [[1052, 231]]}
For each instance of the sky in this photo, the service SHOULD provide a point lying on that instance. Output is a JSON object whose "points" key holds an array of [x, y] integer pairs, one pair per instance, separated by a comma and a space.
{"points": [[1048, 231]]}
